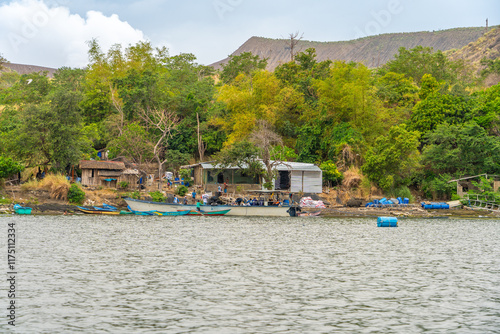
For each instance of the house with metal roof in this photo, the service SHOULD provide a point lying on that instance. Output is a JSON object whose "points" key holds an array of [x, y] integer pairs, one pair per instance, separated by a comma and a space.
{"points": [[291, 177]]}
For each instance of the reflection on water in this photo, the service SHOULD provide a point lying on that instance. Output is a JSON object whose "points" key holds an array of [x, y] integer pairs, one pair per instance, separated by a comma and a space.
{"points": [[250, 275]]}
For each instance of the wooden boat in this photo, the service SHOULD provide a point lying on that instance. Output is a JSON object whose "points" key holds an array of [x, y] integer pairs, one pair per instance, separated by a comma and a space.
{"points": [[159, 213], [97, 212], [265, 211], [308, 214], [208, 213], [22, 210]]}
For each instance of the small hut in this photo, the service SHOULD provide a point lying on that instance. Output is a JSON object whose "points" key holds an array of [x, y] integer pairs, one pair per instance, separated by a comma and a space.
{"points": [[101, 173]]}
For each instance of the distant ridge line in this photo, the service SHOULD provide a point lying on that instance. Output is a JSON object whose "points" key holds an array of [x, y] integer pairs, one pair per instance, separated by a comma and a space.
{"points": [[27, 69], [373, 51]]}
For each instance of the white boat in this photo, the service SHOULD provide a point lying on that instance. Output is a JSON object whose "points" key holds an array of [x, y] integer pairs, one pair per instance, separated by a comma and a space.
{"points": [[267, 211]]}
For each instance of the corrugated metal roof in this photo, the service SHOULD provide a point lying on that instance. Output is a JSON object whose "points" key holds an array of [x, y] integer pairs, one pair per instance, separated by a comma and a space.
{"points": [[302, 166]]}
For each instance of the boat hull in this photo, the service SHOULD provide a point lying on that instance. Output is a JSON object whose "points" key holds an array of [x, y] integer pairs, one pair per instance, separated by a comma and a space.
{"points": [[208, 213], [97, 212], [262, 211]]}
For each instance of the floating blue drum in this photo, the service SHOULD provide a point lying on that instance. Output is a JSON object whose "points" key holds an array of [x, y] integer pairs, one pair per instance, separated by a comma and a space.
{"points": [[387, 222]]}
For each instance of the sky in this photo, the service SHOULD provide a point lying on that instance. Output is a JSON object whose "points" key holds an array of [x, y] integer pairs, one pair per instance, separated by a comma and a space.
{"points": [[54, 33]]}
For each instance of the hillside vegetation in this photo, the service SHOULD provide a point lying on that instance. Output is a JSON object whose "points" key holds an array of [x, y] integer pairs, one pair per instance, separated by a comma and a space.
{"points": [[414, 123]]}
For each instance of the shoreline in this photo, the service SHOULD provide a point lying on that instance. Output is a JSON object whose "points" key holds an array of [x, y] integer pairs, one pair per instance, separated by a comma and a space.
{"points": [[57, 209]]}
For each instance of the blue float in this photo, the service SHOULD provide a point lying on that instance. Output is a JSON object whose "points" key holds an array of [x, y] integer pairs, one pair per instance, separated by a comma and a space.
{"points": [[435, 205], [387, 222]]}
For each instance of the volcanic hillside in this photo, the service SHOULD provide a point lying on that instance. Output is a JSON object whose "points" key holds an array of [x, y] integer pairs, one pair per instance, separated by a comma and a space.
{"points": [[373, 51]]}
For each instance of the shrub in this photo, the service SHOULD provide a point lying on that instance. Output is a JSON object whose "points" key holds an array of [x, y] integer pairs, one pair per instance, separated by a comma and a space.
{"points": [[403, 192], [134, 195], [157, 196], [331, 175], [182, 190], [123, 185], [75, 194]]}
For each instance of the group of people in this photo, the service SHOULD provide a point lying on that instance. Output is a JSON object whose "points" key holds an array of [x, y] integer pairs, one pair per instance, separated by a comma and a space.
{"points": [[219, 188], [257, 202]]}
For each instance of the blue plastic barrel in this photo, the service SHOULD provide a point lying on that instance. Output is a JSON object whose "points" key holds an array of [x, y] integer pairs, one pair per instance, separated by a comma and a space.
{"points": [[387, 222]]}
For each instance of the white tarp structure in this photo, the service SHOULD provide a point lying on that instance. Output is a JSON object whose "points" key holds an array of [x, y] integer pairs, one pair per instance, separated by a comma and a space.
{"points": [[306, 181], [304, 177]]}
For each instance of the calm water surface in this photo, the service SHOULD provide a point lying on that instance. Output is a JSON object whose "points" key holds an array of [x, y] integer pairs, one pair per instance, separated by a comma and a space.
{"points": [[132, 274]]}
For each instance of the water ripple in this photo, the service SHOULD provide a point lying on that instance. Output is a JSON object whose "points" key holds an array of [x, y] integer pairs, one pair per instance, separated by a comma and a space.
{"points": [[85, 274]]}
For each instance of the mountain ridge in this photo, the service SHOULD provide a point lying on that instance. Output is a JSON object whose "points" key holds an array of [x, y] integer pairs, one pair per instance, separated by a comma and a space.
{"points": [[373, 51]]}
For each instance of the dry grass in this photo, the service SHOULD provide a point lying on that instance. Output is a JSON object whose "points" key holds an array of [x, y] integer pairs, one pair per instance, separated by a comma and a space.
{"points": [[30, 185], [352, 178], [356, 185], [57, 185]]}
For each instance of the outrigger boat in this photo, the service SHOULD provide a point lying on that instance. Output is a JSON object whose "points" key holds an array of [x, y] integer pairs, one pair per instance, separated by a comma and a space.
{"points": [[235, 210], [97, 212], [208, 213], [159, 213]]}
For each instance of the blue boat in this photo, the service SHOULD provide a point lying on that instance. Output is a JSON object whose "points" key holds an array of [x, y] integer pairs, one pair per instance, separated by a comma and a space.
{"points": [[109, 207], [105, 207], [22, 210]]}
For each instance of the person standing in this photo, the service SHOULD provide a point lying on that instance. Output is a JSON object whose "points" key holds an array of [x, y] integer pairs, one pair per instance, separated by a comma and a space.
{"points": [[185, 200], [176, 200], [198, 206], [193, 194], [225, 186]]}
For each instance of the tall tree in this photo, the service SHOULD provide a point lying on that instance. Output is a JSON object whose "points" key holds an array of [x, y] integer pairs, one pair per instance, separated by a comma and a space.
{"points": [[265, 139], [162, 122]]}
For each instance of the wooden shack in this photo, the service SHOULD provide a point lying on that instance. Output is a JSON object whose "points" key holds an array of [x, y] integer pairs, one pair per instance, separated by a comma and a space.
{"points": [[101, 173]]}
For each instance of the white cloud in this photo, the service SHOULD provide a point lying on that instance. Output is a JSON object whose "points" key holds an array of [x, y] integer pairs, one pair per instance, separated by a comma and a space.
{"points": [[31, 32]]}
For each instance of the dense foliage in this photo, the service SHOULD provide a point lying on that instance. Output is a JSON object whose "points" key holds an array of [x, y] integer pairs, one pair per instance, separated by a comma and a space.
{"points": [[75, 194], [417, 121]]}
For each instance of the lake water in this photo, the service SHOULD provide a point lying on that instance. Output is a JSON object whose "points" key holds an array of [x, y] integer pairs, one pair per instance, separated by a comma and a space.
{"points": [[136, 274]]}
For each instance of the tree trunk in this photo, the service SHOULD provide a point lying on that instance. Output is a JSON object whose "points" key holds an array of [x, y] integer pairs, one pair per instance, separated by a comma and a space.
{"points": [[201, 146]]}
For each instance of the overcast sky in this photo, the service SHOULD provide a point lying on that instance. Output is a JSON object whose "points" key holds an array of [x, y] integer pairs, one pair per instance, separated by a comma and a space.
{"points": [[53, 33]]}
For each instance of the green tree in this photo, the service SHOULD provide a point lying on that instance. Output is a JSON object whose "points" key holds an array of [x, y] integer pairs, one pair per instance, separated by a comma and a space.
{"points": [[134, 143], [245, 63], [439, 108], [461, 149], [393, 159], [9, 167], [242, 154], [416, 62], [396, 90]]}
